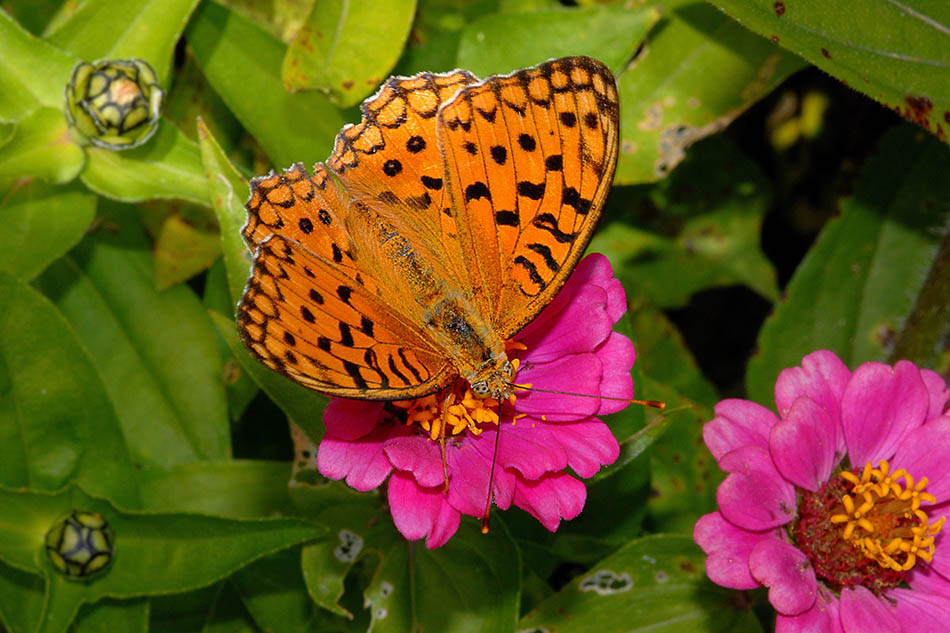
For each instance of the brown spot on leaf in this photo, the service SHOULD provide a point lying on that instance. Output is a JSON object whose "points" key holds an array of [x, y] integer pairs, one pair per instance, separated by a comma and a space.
{"points": [[824, 51], [775, 39], [779, 8], [917, 110], [687, 567], [373, 81], [946, 116], [348, 84]]}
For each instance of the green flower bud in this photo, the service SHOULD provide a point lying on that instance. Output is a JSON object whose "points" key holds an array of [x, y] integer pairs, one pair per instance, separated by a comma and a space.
{"points": [[80, 544], [115, 104]]}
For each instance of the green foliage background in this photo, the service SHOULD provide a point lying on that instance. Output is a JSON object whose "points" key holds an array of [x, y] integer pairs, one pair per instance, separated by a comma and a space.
{"points": [[761, 210]]}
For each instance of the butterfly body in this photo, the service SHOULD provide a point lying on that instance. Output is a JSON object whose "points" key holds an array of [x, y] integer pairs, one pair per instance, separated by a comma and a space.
{"points": [[455, 211]]}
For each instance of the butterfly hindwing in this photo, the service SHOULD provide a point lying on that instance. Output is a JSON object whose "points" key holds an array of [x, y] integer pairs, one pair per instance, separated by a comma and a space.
{"points": [[529, 159], [304, 319]]}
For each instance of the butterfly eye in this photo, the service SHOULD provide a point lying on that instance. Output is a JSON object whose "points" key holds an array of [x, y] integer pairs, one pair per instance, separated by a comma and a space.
{"points": [[480, 388]]}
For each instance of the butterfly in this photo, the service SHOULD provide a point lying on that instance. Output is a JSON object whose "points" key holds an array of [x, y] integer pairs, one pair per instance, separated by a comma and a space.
{"points": [[440, 226]]}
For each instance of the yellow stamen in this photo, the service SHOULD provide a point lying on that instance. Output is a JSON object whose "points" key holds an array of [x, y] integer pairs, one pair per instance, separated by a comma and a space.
{"points": [[880, 526]]}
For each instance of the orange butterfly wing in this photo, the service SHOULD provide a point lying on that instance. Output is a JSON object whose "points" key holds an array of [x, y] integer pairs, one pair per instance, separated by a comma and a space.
{"points": [[529, 159], [308, 312], [390, 161], [483, 191]]}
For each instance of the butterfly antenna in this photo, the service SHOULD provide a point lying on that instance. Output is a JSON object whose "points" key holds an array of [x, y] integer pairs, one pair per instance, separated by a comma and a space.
{"points": [[491, 480], [656, 404]]}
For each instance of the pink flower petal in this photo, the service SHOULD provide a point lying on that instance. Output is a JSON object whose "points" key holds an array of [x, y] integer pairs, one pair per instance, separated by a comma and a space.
{"points": [[352, 419], [361, 462], [924, 578], [727, 550], [802, 444], [555, 332], [823, 617], [822, 377], [616, 357], [419, 456], [925, 452], [589, 444], [419, 512], [579, 373], [863, 612], [939, 393], [595, 269], [788, 574], [754, 496], [531, 448], [469, 471], [926, 612], [738, 423], [554, 497], [880, 406]]}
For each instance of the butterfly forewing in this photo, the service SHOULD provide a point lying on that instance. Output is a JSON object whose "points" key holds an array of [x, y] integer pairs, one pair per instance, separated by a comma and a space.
{"points": [[390, 160], [529, 159], [304, 319]]}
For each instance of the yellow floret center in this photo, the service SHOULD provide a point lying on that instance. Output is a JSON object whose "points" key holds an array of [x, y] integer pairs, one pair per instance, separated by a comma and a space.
{"points": [[881, 516], [454, 410]]}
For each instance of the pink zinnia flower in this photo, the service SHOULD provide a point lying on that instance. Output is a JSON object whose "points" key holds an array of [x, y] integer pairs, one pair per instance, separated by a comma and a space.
{"points": [[568, 347], [836, 504]]}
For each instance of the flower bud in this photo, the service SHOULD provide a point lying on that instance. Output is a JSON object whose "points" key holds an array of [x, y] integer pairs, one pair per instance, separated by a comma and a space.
{"points": [[115, 104], [80, 544]]}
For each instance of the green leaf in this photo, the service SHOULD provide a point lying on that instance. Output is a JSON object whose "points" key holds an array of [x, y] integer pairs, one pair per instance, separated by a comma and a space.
{"points": [[854, 289], [33, 15], [21, 599], [215, 609], [303, 406], [357, 525], [168, 166], [31, 71], [240, 386], [155, 553], [228, 190], [234, 488], [290, 128], [186, 240], [653, 584], [274, 594], [156, 351], [56, 422], [897, 53], [323, 53], [927, 326], [40, 224], [472, 583], [502, 42], [697, 72], [107, 616], [123, 29], [683, 475], [42, 148], [699, 228]]}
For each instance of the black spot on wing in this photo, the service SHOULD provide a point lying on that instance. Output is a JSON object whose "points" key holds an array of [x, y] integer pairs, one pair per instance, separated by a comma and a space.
{"points": [[545, 252], [507, 218], [477, 190], [435, 184], [534, 191]]}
